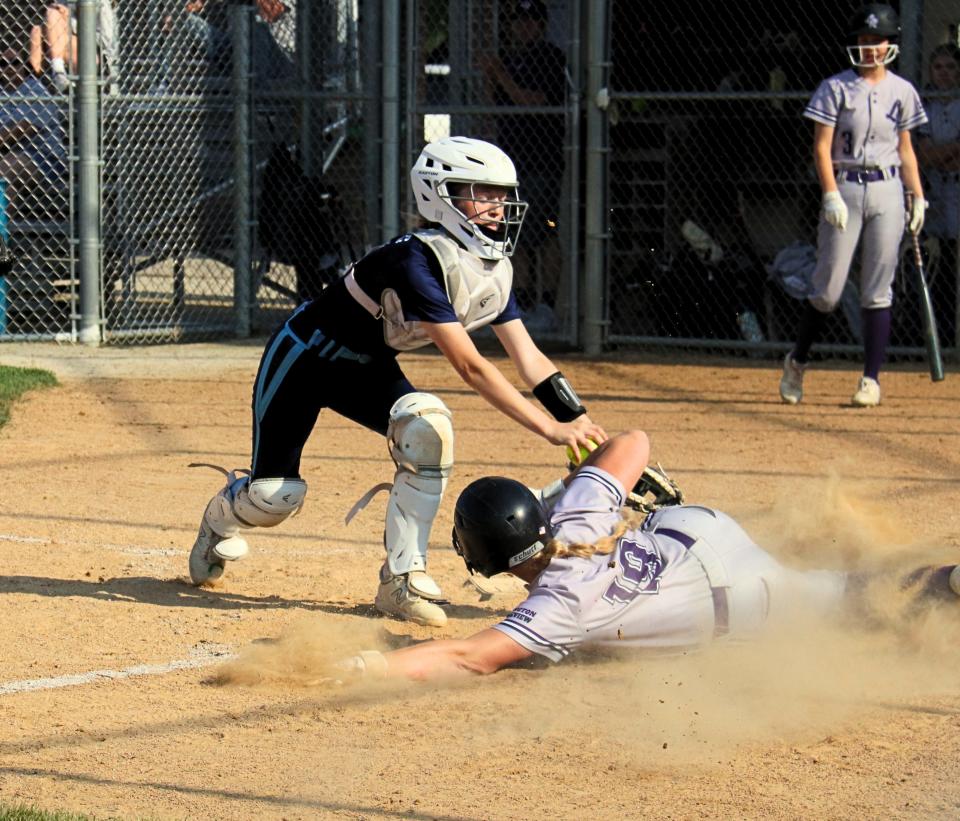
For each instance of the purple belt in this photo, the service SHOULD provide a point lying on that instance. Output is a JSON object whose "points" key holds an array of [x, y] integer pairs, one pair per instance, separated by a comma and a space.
{"points": [[862, 175]]}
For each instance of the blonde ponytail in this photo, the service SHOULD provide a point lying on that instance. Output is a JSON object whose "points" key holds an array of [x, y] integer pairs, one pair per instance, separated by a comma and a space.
{"points": [[584, 550]]}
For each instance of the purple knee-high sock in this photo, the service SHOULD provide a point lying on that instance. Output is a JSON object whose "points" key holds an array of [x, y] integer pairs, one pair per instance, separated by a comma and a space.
{"points": [[811, 323], [876, 335]]}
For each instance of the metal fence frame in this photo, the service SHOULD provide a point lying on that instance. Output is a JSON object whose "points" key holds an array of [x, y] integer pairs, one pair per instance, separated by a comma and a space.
{"points": [[387, 88]]}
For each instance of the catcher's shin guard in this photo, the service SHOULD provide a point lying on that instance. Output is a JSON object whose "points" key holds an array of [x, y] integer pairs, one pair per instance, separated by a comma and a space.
{"points": [[420, 438], [241, 504]]}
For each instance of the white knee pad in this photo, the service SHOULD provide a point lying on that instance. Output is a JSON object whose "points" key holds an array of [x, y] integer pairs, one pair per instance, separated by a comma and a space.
{"points": [[258, 503], [420, 438], [420, 435]]}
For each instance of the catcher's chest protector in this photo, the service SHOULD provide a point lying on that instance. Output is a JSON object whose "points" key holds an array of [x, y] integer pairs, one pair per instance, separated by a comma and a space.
{"points": [[478, 290]]}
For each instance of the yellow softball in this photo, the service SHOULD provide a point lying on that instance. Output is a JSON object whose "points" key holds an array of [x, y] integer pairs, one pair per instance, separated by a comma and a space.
{"points": [[584, 452]]}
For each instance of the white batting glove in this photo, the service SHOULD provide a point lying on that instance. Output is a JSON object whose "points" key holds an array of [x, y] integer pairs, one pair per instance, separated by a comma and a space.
{"points": [[835, 210], [918, 210]]}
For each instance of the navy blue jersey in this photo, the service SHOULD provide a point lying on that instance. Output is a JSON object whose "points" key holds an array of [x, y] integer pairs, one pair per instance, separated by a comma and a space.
{"points": [[404, 264]]}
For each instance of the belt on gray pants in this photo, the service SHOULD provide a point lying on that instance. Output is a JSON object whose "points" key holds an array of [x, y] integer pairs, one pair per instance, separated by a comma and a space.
{"points": [[715, 571], [863, 175]]}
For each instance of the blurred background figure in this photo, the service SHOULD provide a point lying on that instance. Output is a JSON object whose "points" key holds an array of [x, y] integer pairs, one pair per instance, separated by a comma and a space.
{"points": [[33, 157], [60, 33], [938, 150], [530, 71], [201, 31]]}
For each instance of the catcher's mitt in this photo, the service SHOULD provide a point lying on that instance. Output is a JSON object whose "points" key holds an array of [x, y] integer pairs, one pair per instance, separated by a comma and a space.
{"points": [[654, 490]]}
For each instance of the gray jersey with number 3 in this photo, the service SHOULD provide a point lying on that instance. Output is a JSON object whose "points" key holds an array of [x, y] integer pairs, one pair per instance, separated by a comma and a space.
{"points": [[867, 117]]}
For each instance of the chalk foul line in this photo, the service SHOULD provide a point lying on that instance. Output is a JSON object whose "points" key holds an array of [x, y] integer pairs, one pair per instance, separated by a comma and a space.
{"points": [[203, 655]]}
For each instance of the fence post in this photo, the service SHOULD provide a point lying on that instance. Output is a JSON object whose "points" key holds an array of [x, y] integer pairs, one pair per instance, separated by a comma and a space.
{"points": [[390, 169], [88, 178], [372, 76], [596, 183], [306, 57], [911, 41], [571, 262], [242, 211]]}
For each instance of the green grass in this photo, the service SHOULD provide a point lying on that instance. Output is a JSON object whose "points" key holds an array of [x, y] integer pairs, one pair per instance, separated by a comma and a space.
{"points": [[19, 812], [14, 382]]}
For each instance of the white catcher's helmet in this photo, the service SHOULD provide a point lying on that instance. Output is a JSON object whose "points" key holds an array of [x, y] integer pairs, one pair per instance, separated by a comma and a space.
{"points": [[445, 163]]}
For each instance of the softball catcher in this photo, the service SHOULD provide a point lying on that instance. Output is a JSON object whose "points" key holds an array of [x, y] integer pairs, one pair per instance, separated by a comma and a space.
{"points": [[864, 158], [339, 351]]}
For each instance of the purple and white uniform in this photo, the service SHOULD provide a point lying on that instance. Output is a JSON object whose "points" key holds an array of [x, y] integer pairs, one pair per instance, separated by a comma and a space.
{"points": [[687, 575], [867, 119]]}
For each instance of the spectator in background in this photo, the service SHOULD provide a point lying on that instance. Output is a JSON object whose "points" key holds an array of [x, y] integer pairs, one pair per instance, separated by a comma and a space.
{"points": [[938, 150], [33, 158], [205, 28], [37, 57], [532, 72], [61, 35]]}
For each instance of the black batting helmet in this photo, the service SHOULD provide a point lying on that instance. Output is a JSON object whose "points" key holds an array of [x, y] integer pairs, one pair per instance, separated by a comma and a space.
{"points": [[881, 21], [874, 18], [497, 524]]}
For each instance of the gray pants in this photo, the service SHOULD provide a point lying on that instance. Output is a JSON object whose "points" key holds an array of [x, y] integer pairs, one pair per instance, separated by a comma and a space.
{"points": [[760, 591], [877, 215]]}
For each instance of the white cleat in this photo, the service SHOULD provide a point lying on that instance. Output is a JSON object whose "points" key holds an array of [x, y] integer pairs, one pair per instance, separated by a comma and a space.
{"points": [[404, 597], [791, 383], [211, 552], [868, 393]]}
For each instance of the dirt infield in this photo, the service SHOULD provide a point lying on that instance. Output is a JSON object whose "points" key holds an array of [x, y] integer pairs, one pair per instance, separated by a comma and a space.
{"points": [[98, 511]]}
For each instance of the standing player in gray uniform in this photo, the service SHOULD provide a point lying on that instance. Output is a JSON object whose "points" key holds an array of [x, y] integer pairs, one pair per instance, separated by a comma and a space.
{"points": [[864, 158], [339, 351], [683, 577]]}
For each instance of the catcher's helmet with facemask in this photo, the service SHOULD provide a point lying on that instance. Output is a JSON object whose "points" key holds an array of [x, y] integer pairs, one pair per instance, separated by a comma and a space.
{"points": [[498, 524], [879, 20], [448, 172]]}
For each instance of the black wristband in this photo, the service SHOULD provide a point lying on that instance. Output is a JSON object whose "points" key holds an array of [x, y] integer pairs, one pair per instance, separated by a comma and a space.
{"points": [[559, 398]]}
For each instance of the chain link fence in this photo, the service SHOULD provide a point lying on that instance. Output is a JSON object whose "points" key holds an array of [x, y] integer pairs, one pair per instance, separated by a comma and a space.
{"points": [[504, 72], [713, 196], [244, 152], [224, 132], [36, 141]]}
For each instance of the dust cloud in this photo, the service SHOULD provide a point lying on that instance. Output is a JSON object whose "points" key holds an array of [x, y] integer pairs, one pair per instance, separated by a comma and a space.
{"points": [[303, 656], [806, 681]]}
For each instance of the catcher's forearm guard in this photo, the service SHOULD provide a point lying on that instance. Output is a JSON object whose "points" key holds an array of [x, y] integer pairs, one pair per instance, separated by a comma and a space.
{"points": [[559, 398]]}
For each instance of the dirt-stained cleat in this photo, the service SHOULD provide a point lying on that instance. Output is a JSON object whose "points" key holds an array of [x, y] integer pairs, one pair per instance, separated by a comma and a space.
{"points": [[412, 597], [211, 552], [868, 393], [242, 503]]}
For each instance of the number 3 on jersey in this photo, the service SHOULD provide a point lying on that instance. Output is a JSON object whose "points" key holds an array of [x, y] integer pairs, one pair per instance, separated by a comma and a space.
{"points": [[847, 138]]}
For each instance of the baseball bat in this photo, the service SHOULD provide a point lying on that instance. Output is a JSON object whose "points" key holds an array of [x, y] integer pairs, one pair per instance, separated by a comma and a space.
{"points": [[930, 337]]}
